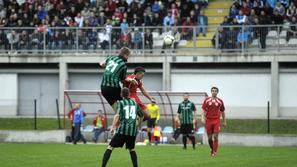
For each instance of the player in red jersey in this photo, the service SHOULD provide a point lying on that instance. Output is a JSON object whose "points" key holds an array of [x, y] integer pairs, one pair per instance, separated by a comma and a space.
{"points": [[212, 109], [133, 82]]}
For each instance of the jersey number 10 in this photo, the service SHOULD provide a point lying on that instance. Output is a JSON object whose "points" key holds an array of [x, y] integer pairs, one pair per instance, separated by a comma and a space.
{"points": [[130, 112]]}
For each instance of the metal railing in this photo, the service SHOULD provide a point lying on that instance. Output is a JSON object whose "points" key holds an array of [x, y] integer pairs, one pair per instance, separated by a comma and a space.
{"points": [[147, 40], [92, 100], [256, 38]]}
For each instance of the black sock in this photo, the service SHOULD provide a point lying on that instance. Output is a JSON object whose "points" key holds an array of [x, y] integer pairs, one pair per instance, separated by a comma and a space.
{"points": [[193, 141], [149, 136], [210, 142], [106, 157], [185, 141], [133, 158]]}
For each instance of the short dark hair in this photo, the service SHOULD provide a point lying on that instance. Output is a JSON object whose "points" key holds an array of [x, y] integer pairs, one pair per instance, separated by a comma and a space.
{"points": [[139, 69], [214, 88], [186, 93], [125, 92]]}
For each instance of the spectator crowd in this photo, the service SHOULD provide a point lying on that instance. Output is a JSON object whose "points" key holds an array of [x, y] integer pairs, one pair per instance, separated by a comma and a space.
{"points": [[107, 21], [248, 20]]}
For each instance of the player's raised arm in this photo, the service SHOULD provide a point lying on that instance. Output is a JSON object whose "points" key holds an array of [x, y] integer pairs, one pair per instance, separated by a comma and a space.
{"points": [[102, 64], [131, 80], [145, 93]]}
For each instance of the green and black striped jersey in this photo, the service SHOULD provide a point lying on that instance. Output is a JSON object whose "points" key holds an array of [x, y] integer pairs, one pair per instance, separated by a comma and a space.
{"points": [[186, 109], [115, 71], [128, 111]]}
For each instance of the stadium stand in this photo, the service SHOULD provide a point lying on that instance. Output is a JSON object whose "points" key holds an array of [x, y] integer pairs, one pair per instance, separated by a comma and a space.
{"points": [[270, 23], [50, 17], [91, 25]]}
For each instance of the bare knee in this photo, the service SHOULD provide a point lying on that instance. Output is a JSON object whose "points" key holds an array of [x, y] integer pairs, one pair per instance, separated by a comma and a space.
{"points": [[114, 107], [216, 136], [109, 147], [209, 137]]}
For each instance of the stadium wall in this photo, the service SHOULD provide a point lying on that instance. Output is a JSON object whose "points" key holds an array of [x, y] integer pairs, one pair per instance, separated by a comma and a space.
{"points": [[246, 82], [51, 136], [9, 94], [257, 140], [59, 136], [238, 89]]}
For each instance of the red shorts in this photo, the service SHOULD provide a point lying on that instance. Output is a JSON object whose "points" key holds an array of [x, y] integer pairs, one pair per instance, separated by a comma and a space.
{"points": [[138, 101], [212, 126]]}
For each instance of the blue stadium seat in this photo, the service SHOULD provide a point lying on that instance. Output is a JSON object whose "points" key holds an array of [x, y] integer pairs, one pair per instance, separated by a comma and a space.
{"points": [[88, 128], [168, 129], [200, 131]]}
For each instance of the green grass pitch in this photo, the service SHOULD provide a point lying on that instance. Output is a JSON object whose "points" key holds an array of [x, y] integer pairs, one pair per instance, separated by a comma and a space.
{"points": [[62, 155]]}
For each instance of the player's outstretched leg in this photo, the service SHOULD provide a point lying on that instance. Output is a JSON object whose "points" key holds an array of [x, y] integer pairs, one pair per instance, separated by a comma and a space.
{"points": [[133, 156], [185, 141], [106, 156], [147, 115]]}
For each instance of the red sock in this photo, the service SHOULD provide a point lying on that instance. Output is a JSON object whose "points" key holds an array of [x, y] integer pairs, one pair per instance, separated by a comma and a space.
{"points": [[215, 145]]}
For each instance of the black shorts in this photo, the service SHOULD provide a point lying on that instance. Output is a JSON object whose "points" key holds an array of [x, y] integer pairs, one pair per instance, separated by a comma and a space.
{"points": [[186, 129], [151, 122], [111, 94], [119, 140]]}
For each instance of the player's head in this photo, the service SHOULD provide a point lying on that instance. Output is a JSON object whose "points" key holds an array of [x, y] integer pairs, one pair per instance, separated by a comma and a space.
{"points": [[139, 72], [77, 105], [100, 112], [186, 96], [214, 91], [125, 52], [125, 93]]}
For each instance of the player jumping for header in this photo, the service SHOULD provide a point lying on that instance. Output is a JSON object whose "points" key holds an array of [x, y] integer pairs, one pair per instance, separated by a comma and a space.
{"points": [[114, 73], [212, 109], [133, 82]]}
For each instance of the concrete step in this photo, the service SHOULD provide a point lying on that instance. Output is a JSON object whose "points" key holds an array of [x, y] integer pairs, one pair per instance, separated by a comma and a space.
{"points": [[212, 27], [216, 12], [209, 36], [220, 4], [215, 20], [199, 44]]}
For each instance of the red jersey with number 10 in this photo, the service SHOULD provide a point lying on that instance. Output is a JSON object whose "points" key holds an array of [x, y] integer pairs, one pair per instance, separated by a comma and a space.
{"points": [[133, 87], [213, 107]]}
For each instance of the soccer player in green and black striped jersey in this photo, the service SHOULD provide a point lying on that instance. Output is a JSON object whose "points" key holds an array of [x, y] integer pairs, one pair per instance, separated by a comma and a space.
{"points": [[128, 113], [114, 73], [185, 115]]}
